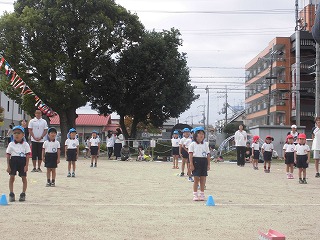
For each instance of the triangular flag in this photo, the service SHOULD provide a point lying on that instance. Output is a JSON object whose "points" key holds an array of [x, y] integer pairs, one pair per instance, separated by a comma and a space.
{"points": [[2, 61]]}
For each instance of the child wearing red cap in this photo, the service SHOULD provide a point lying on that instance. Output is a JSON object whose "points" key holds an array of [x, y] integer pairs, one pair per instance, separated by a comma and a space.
{"points": [[288, 155], [302, 157], [255, 152], [267, 149]]}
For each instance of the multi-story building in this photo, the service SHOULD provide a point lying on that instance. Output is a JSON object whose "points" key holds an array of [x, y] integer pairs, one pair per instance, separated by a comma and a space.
{"points": [[270, 79]]}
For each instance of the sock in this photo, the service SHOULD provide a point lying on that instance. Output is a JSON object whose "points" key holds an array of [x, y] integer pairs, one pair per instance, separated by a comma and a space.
{"points": [[53, 180], [265, 167], [268, 168], [288, 173], [48, 180], [304, 178], [195, 193]]}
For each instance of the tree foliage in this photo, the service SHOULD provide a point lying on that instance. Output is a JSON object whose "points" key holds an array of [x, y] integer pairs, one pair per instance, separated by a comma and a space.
{"points": [[149, 82], [56, 46]]}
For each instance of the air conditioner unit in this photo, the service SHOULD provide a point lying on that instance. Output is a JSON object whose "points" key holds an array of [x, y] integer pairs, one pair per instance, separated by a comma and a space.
{"points": [[282, 103]]}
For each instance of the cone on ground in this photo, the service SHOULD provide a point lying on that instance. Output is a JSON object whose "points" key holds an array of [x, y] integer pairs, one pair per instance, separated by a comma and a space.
{"points": [[210, 201], [3, 200]]}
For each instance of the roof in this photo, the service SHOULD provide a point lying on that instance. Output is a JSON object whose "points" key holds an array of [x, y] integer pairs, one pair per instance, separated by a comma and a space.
{"points": [[85, 120], [111, 127]]}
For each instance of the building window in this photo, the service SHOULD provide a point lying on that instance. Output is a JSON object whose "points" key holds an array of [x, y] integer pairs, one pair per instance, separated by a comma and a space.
{"points": [[19, 110], [8, 106]]}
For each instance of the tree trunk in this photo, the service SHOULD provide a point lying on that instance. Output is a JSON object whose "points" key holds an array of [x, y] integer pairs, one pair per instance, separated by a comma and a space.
{"points": [[134, 125], [67, 121], [123, 127]]}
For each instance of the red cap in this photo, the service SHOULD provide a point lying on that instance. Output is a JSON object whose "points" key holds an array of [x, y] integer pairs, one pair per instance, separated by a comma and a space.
{"points": [[289, 136], [302, 136], [268, 136], [255, 138]]}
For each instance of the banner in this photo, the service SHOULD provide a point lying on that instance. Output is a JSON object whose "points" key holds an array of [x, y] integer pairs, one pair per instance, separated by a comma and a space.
{"points": [[17, 83]]}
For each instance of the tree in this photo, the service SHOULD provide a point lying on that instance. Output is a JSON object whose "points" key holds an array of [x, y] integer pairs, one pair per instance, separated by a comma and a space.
{"points": [[148, 82], [56, 45]]}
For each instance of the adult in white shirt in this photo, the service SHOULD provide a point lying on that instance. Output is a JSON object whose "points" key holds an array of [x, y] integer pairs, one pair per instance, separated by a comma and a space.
{"points": [[316, 145], [118, 143], [240, 138], [38, 129], [110, 143]]}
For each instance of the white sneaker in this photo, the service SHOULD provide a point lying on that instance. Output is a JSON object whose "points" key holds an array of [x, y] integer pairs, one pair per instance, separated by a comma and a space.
{"points": [[195, 196], [202, 197]]}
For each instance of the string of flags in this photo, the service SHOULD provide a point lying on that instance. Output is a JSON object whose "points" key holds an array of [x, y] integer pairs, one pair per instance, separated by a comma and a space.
{"points": [[17, 83]]}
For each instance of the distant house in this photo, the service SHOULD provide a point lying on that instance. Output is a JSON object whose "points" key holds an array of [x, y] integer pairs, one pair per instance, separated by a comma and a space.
{"points": [[86, 123]]}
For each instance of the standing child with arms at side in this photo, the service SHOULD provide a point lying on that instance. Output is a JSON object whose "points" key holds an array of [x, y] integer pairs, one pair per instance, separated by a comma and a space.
{"points": [[255, 152], [183, 150], [199, 155], [288, 155], [267, 149], [175, 149], [51, 156], [302, 157], [18, 153], [94, 148], [72, 152]]}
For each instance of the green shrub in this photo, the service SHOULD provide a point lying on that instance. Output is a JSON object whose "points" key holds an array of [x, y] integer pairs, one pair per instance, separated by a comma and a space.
{"points": [[103, 147], [163, 148], [81, 147]]}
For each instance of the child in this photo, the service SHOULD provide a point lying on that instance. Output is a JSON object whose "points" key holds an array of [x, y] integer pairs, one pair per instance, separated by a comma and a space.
{"points": [[94, 146], [219, 159], [72, 151], [248, 153], [288, 155], [267, 149], [183, 151], [125, 153], [17, 160], [86, 143], [175, 149], [199, 155], [140, 153], [255, 152], [302, 157], [51, 156]]}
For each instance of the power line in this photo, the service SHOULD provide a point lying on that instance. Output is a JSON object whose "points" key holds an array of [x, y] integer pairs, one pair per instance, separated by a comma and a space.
{"points": [[235, 12]]}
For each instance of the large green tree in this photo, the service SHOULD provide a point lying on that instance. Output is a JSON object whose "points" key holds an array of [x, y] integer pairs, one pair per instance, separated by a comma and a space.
{"points": [[56, 45], [148, 82]]}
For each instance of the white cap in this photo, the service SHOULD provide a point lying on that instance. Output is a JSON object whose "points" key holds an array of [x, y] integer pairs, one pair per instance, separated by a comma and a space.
{"points": [[294, 126]]}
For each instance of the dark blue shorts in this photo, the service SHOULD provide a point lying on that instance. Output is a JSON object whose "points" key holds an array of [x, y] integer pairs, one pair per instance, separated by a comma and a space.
{"points": [[51, 160], [267, 156], [289, 158], [71, 155], [256, 154], [302, 161], [17, 164], [200, 167], [175, 150], [94, 150]]}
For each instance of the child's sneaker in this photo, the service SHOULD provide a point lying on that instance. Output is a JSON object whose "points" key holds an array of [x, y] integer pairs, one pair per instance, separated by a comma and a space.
{"points": [[291, 176], [300, 181], [69, 174], [195, 196], [22, 197], [34, 170], [73, 175], [288, 176], [12, 197], [304, 181], [190, 179], [265, 170], [95, 165], [202, 197], [317, 175], [182, 174], [48, 184], [91, 165], [53, 184], [39, 170]]}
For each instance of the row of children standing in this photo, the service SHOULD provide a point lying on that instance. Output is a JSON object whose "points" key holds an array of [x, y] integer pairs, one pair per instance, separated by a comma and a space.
{"points": [[195, 153], [293, 153], [18, 153]]}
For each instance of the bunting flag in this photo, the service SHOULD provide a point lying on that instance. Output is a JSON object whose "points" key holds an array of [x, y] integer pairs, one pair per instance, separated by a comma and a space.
{"points": [[17, 83]]}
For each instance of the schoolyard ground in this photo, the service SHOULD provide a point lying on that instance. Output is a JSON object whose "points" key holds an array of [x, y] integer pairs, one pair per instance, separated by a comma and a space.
{"points": [[147, 200]]}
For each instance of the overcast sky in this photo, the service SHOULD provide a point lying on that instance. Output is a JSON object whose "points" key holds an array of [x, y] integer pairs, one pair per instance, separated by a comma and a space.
{"points": [[219, 37]]}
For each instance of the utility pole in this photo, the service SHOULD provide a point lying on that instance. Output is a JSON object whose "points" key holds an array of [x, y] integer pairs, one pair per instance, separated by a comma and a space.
{"points": [[226, 97], [317, 92], [269, 90], [207, 91], [297, 34]]}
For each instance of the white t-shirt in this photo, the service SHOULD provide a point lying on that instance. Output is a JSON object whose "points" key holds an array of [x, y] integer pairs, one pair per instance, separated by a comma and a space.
{"points": [[18, 149], [94, 142], [185, 142], [295, 136], [175, 142], [72, 143], [110, 141], [240, 138], [316, 139], [289, 147], [302, 149], [268, 147], [38, 126], [120, 139], [51, 147], [199, 149], [255, 146]]}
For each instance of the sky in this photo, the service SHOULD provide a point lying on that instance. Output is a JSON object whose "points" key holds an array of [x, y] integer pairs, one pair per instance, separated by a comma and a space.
{"points": [[219, 37]]}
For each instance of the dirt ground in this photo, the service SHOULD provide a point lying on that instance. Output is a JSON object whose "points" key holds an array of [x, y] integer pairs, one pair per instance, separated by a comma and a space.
{"points": [[147, 200]]}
